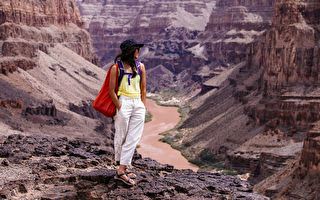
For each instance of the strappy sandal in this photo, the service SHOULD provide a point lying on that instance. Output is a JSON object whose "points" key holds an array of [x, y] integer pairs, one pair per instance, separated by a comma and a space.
{"points": [[127, 182], [130, 174]]}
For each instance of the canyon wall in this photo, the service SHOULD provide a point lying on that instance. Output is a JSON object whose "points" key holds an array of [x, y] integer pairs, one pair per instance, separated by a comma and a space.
{"points": [[293, 58], [257, 116], [232, 26], [166, 27], [289, 57], [257, 75], [179, 35], [28, 26], [47, 69]]}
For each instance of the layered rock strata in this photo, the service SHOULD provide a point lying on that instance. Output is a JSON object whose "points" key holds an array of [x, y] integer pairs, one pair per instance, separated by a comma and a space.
{"points": [[288, 56], [310, 156], [232, 26], [292, 47], [258, 116], [165, 27], [42, 71], [27, 27], [186, 37], [300, 179]]}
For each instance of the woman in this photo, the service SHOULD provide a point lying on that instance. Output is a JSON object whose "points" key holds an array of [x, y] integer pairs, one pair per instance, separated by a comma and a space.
{"points": [[129, 120]]}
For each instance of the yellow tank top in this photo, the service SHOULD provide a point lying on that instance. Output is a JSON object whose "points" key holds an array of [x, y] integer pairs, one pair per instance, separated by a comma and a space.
{"points": [[129, 86]]}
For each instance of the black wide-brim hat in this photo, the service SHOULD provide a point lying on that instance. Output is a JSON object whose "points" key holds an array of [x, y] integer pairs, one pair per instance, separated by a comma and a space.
{"points": [[129, 43]]}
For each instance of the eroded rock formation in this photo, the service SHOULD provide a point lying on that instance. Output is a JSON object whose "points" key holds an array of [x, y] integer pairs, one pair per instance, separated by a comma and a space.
{"points": [[288, 55], [46, 63], [29, 26], [232, 26], [261, 112]]}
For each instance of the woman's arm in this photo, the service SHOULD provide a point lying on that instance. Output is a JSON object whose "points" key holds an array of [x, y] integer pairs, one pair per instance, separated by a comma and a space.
{"points": [[112, 86], [143, 84]]}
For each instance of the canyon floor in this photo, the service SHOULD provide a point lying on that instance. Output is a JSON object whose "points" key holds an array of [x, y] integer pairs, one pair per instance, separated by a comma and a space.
{"points": [[163, 119]]}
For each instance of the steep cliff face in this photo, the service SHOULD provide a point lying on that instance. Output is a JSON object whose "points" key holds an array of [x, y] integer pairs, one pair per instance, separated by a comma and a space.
{"points": [[288, 56], [40, 13], [257, 116], [28, 26], [310, 156], [232, 26], [293, 56]]}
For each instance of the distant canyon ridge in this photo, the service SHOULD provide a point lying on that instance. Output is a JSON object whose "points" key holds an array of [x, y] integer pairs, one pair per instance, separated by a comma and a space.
{"points": [[185, 39]]}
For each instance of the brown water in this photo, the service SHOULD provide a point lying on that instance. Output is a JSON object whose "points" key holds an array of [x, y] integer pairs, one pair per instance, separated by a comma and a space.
{"points": [[163, 119]]}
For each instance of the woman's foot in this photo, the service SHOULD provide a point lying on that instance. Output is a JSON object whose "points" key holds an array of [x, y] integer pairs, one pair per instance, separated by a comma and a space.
{"points": [[130, 174], [124, 178]]}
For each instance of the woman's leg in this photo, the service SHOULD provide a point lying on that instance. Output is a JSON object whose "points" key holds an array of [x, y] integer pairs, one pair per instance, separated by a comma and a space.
{"points": [[135, 129], [121, 128]]}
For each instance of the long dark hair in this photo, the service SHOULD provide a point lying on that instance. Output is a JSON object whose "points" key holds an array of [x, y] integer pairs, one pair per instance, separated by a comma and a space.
{"points": [[127, 55]]}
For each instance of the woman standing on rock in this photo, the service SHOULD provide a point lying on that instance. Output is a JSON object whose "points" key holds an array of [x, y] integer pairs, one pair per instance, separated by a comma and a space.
{"points": [[130, 116]]}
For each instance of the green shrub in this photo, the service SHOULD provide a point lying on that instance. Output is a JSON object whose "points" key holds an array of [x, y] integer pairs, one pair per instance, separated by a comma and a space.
{"points": [[230, 172], [178, 136], [148, 117], [207, 156]]}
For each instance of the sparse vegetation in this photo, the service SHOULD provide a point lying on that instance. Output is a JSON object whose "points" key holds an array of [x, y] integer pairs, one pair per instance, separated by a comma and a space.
{"points": [[206, 160], [230, 172], [148, 117], [168, 94], [178, 136]]}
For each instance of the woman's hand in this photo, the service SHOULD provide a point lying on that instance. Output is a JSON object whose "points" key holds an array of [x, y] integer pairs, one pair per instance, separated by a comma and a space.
{"points": [[119, 107], [143, 83]]}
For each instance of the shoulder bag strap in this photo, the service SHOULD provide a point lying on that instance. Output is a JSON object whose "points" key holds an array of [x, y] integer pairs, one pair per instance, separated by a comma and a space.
{"points": [[138, 67]]}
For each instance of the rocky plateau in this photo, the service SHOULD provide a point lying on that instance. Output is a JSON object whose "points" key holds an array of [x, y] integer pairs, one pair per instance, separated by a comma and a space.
{"points": [[58, 168]]}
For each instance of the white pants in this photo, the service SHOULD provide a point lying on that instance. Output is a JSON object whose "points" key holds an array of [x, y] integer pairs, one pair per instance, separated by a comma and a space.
{"points": [[129, 123]]}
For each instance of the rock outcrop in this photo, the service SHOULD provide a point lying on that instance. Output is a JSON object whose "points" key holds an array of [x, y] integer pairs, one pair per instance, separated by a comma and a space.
{"points": [[310, 155], [37, 167], [299, 179], [29, 26]]}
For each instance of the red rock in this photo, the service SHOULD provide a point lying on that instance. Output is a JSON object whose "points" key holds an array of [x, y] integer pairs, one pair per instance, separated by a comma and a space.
{"points": [[27, 27]]}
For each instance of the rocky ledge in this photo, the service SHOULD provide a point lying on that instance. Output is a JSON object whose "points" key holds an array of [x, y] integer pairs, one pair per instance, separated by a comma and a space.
{"points": [[38, 167]]}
